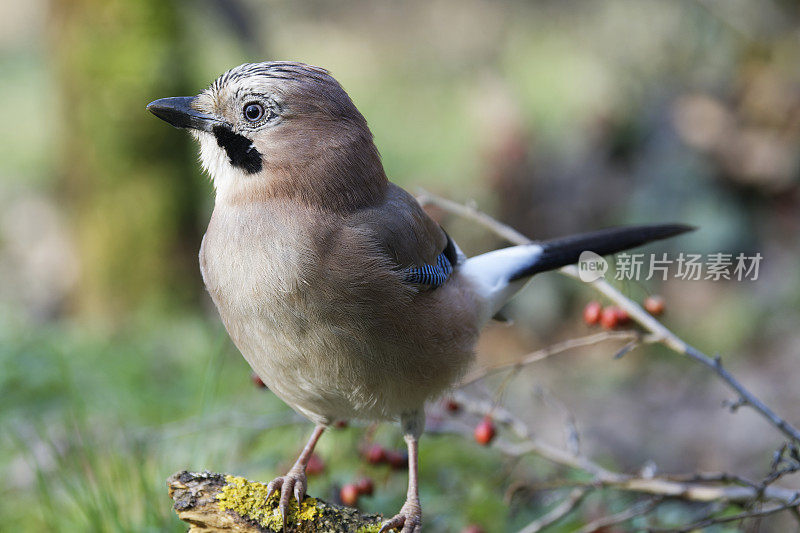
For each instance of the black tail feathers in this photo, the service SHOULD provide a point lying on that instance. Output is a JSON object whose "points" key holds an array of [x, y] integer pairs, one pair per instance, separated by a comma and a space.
{"points": [[557, 253]]}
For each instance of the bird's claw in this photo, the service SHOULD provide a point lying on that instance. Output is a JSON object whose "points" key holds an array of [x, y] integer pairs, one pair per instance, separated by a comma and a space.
{"points": [[409, 519], [293, 483]]}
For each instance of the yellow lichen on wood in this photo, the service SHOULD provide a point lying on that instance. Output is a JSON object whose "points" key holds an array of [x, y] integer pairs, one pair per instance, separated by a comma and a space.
{"points": [[250, 500], [376, 528], [212, 502]]}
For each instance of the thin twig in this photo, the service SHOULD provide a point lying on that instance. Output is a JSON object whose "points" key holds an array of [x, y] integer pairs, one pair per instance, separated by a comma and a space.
{"points": [[635, 510], [639, 315], [710, 521], [554, 349], [711, 477], [558, 512], [472, 213], [571, 434]]}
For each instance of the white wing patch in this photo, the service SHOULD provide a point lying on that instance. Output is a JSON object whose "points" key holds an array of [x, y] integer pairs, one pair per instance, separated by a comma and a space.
{"points": [[491, 271]]}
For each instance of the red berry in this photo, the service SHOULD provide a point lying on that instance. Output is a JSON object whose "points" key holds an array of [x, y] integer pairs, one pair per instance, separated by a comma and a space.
{"points": [[349, 495], [485, 431], [473, 528], [315, 465], [397, 460], [365, 486], [609, 318], [622, 316], [257, 381], [654, 305], [592, 312], [375, 454], [452, 405]]}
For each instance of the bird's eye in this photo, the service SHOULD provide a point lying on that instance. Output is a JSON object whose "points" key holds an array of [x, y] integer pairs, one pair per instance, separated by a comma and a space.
{"points": [[253, 112]]}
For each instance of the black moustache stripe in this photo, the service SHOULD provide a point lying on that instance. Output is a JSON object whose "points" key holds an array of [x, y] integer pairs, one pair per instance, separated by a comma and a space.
{"points": [[241, 152]]}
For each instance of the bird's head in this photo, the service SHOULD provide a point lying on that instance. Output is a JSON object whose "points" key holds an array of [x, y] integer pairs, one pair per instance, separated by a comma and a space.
{"points": [[280, 129]]}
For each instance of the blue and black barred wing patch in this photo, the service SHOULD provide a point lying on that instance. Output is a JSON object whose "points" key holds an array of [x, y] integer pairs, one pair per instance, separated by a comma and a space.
{"points": [[430, 275]]}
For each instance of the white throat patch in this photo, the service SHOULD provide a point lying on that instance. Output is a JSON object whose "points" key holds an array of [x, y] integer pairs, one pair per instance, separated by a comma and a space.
{"points": [[216, 163]]}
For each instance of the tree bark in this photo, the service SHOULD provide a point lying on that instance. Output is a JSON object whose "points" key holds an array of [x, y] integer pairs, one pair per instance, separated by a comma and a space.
{"points": [[211, 502]]}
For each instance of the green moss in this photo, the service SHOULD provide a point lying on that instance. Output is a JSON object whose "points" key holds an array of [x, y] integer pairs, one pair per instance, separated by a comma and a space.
{"points": [[246, 498], [369, 529]]}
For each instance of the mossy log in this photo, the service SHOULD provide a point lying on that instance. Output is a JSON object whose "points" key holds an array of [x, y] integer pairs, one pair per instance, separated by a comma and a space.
{"points": [[218, 502]]}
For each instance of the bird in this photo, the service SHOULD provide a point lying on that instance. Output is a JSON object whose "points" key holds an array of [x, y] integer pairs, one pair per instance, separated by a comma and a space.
{"points": [[344, 296]]}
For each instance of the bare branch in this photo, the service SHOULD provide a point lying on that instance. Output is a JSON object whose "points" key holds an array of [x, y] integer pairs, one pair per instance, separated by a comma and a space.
{"points": [[639, 315], [699, 491], [717, 488], [711, 477]]}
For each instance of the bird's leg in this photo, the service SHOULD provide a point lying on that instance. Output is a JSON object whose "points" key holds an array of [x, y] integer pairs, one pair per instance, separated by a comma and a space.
{"points": [[295, 480], [410, 516]]}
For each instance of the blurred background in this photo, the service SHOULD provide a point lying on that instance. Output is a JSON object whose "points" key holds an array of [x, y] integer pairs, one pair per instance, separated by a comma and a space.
{"points": [[554, 116]]}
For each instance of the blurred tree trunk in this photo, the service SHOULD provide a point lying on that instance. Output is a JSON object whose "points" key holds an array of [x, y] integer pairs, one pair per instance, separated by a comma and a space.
{"points": [[128, 177]]}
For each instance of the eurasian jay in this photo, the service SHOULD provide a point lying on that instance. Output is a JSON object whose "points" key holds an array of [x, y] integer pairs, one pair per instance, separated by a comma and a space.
{"points": [[341, 293]]}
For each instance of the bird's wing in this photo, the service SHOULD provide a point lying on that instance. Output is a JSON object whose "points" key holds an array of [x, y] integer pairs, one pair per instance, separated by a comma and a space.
{"points": [[415, 243]]}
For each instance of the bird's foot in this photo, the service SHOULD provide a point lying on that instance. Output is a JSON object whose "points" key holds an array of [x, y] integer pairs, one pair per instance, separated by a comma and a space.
{"points": [[409, 519], [294, 482]]}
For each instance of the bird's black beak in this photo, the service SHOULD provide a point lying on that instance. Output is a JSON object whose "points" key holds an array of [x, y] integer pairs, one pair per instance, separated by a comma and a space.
{"points": [[179, 112]]}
